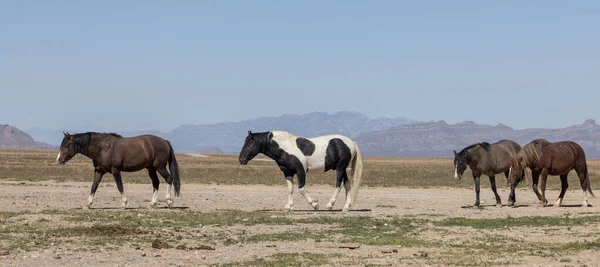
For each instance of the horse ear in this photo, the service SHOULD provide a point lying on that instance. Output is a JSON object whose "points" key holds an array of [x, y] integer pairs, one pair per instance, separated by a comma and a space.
{"points": [[454, 152], [249, 132], [270, 135], [67, 135]]}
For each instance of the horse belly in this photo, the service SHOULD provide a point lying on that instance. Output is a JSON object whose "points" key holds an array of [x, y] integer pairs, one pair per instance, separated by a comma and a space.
{"points": [[132, 165], [316, 160], [314, 163]]}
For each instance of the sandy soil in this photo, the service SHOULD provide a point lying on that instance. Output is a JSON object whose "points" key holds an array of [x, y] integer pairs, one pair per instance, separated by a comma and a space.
{"points": [[375, 202]]}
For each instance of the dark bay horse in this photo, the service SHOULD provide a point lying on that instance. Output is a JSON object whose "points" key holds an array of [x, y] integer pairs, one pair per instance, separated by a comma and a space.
{"points": [[297, 155], [488, 159], [112, 153], [545, 158]]}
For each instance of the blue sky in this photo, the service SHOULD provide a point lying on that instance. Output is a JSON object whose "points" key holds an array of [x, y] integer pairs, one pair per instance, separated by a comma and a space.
{"points": [[127, 65]]}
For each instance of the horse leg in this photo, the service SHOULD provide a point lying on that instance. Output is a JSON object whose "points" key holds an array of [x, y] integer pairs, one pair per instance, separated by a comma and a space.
{"points": [[476, 178], [169, 180], [97, 178], [535, 177], [544, 176], [583, 179], [289, 178], [301, 183], [155, 184], [338, 186], [117, 175], [347, 187], [564, 184], [493, 183]]}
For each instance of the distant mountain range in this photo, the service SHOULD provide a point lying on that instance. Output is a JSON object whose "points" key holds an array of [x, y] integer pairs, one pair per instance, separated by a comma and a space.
{"points": [[375, 136], [229, 137], [11, 137], [438, 139]]}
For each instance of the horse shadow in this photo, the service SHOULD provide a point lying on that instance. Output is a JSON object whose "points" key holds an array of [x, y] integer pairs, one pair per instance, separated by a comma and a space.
{"points": [[136, 208], [570, 205], [311, 210], [493, 206]]}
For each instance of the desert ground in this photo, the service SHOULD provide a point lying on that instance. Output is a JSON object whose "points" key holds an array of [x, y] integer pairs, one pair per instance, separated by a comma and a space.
{"points": [[409, 212]]}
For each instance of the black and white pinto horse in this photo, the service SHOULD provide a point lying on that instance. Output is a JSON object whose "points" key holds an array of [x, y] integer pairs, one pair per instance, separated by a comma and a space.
{"points": [[296, 155]]}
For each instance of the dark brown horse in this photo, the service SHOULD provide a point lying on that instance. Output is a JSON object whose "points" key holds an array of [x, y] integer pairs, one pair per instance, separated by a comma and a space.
{"points": [[112, 153], [545, 158], [488, 159]]}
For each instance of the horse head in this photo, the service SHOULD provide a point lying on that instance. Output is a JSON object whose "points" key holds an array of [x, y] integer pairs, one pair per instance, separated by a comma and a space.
{"points": [[67, 149], [516, 172], [253, 145], [460, 164]]}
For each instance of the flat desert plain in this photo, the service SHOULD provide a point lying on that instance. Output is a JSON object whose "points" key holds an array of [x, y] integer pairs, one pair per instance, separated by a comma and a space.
{"points": [[409, 212]]}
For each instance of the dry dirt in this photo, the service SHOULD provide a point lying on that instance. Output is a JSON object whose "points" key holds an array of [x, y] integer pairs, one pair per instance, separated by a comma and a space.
{"points": [[40, 200]]}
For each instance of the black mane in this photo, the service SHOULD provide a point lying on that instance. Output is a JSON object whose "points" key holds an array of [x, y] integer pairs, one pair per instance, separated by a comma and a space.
{"points": [[82, 140], [484, 145], [262, 138]]}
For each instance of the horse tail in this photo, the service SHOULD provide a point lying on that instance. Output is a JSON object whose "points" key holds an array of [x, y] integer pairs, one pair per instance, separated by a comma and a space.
{"points": [[174, 169], [587, 181], [357, 167]]}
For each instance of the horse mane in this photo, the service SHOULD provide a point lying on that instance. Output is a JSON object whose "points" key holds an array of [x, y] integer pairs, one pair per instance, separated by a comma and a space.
{"points": [[484, 145], [82, 140], [531, 152]]}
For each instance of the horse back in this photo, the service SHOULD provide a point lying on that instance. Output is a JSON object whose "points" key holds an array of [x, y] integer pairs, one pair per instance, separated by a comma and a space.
{"points": [[500, 155], [565, 150]]}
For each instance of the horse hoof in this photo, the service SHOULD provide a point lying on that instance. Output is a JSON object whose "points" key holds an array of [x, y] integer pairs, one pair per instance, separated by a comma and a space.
{"points": [[329, 207], [288, 208], [345, 209], [498, 205], [152, 205], [584, 205], [170, 203], [315, 205], [85, 207]]}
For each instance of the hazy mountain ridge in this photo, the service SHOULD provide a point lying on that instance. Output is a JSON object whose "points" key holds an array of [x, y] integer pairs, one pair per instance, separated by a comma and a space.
{"points": [[438, 139], [11, 137], [229, 136]]}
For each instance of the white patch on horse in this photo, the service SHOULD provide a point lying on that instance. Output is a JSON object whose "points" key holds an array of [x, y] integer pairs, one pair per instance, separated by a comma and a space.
{"points": [[123, 200], [154, 198], [287, 142], [334, 198], [168, 195], [90, 200], [558, 202], [585, 199], [290, 184], [456, 172], [58, 156], [313, 202]]}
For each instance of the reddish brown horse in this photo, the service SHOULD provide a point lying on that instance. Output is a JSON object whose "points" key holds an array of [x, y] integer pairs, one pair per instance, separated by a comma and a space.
{"points": [[112, 153], [545, 158]]}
